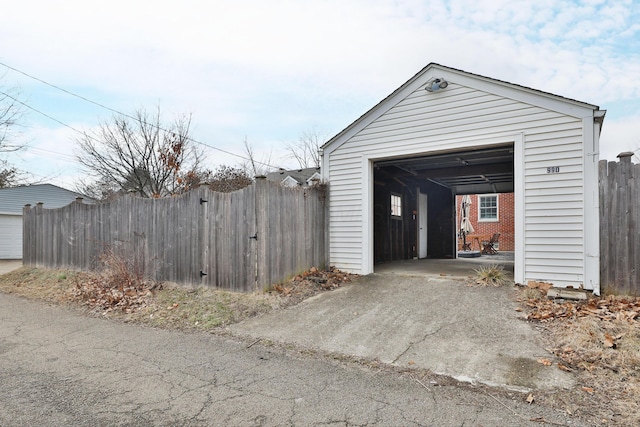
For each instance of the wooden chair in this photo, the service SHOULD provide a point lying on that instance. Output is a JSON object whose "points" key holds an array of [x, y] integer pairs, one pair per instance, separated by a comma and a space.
{"points": [[488, 248]]}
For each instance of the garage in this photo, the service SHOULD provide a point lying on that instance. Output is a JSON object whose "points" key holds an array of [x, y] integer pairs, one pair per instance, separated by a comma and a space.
{"points": [[395, 172], [11, 236]]}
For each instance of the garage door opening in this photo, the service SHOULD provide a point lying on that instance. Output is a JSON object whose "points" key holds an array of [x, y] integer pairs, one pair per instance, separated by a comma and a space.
{"points": [[416, 202]]}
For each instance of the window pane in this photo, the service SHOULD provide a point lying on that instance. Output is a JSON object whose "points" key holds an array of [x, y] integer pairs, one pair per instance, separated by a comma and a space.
{"points": [[489, 207], [396, 205]]}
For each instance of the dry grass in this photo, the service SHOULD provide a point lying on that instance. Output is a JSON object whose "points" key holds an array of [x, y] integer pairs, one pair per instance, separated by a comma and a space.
{"points": [[202, 308], [491, 275], [598, 341], [166, 305], [116, 292]]}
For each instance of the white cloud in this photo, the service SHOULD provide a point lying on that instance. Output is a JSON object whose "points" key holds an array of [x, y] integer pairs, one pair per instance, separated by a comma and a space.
{"points": [[620, 135]]}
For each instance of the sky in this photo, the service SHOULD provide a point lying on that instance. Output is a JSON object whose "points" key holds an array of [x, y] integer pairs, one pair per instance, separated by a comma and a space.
{"points": [[269, 72]]}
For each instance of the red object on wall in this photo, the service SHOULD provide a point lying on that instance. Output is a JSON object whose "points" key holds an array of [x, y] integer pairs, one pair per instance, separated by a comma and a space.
{"points": [[505, 223]]}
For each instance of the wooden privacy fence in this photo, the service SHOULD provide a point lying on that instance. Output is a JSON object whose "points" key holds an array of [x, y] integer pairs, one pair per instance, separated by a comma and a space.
{"points": [[241, 241], [619, 232]]}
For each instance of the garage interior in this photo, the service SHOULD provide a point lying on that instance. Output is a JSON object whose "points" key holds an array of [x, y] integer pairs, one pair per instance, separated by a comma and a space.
{"points": [[404, 188]]}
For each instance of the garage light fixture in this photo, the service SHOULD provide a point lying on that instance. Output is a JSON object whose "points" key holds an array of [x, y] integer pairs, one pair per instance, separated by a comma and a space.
{"points": [[435, 85]]}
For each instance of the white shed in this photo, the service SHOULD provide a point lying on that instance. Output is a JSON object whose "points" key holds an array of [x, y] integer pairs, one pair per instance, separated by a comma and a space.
{"points": [[394, 173], [12, 201]]}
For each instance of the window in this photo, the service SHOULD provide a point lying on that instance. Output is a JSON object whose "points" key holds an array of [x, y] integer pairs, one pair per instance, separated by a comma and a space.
{"points": [[396, 206], [488, 207]]}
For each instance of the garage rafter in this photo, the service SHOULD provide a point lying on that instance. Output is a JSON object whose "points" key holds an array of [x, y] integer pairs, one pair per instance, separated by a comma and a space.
{"points": [[478, 171]]}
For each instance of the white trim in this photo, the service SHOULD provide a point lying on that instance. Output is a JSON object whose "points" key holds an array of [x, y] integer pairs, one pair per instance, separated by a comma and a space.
{"points": [[367, 215], [367, 201], [591, 228], [289, 182], [518, 190], [497, 218]]}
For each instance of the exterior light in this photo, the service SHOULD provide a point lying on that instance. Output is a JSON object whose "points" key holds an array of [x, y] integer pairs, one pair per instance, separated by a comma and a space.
{"points": [[435, 85]]}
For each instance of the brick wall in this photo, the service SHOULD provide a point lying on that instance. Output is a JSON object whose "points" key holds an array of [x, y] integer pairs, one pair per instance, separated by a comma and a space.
{"points": [[505, 224]]}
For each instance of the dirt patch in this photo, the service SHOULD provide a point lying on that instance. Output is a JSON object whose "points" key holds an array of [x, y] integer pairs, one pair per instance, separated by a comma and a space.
{"points": [[598, 340]]}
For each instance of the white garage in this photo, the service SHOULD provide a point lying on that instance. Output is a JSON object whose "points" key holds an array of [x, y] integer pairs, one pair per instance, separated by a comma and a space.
{"points": [[394, 174], [12, 201]]}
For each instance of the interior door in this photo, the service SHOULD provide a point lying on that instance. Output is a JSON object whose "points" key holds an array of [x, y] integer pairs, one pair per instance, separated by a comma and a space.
{"points": [[422, 225]]}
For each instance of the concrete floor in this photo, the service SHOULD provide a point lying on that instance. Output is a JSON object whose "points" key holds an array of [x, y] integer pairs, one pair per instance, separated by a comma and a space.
{"points": [[421, 314], [461, 267]]}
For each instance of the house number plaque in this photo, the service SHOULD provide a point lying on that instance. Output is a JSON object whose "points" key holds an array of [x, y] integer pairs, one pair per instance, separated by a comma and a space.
{"points": [[553, 169]]}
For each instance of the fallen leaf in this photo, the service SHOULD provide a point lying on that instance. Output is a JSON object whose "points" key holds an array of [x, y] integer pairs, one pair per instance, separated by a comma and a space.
{"points": [[530, 399], [545, 362], [411, 362], [588, 389], [564, 368], [609, 341]]}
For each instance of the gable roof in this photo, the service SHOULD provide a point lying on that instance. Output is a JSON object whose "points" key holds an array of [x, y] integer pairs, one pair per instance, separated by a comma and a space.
{"points": [[566, 105], [301, 176], [13, 199]]}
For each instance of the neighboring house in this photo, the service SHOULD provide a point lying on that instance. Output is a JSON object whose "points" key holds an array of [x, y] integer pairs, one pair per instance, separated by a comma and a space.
{"points": [[297, 177], [490, 214], [12, 201], [394, 174]]}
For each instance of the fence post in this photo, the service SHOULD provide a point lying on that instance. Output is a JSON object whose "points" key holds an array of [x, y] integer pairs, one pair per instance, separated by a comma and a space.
{"points": [[629, 200], [619, 235], [27, 237]]}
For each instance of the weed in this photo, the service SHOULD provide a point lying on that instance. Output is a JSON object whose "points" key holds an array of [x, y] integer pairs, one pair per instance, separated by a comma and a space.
{"points": [[531, 293], [493, 275], [121, 281]]}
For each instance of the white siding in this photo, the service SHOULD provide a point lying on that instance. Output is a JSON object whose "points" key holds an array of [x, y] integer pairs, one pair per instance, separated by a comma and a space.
{"points": [[462, 117], [554, 205]]}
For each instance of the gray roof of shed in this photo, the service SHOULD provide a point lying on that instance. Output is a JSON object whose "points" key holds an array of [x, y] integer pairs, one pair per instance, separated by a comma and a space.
{"points": [[13, 199], [300, 175]]}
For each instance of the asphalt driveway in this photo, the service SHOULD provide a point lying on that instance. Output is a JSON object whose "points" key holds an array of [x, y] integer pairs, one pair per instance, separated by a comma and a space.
{"points": [[421, 317]]}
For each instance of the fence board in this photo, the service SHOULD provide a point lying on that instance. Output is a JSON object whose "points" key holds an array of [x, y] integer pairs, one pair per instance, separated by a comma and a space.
{"points": [[199, 238], [619, 233]]}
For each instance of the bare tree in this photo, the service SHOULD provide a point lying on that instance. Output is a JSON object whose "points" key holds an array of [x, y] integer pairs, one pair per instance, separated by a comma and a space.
{"points": [[306, 151], [8, 175], [10, 114], [142, 154], [252, 166]]}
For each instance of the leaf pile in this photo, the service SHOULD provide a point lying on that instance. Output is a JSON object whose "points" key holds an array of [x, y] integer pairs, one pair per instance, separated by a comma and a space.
{"points": [[313, 281], [609, 308], [125, 296], [598, 340]]}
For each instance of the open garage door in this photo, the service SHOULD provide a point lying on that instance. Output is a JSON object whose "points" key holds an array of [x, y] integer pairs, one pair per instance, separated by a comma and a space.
{"points": [[414, 193]]}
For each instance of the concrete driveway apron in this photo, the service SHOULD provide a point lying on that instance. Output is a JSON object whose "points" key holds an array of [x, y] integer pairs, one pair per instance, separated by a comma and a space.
{"points": [[439, 323]]}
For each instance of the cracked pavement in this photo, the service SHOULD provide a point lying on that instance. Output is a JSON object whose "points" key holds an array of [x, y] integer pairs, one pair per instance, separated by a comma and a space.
{"points": [[437, 323], [59, 367]]}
